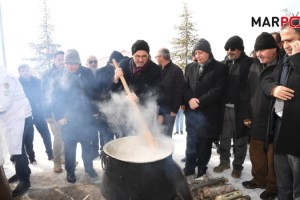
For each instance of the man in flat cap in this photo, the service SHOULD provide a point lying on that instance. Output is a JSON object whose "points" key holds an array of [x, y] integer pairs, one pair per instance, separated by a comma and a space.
{"points": [[235, 112], [205, 84]]}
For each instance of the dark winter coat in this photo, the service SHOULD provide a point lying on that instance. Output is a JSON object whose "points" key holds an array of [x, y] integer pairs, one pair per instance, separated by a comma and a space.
{"points": [[32, 89], [289, 137], [260, 103], [104, 76], [208, 87], [172, 84], [145, 84], [236, 91], [47, 91], [73, 97]]}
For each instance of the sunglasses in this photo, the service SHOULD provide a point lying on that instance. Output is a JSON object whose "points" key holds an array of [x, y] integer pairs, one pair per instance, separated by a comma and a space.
{"points": [[231, 49], [93, 61]]}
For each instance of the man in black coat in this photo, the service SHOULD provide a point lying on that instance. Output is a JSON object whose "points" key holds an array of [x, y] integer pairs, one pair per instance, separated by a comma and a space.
{"points": [[142, 75], [32, 89], [104, 75], [172, 84], [205, 84], [73, 108], [238, 64], [284, 86], [262, 161]]}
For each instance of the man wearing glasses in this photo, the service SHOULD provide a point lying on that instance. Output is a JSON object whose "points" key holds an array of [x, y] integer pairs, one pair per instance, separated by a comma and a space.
{"points": [[234, 127], [92, 63], [142, 75]]}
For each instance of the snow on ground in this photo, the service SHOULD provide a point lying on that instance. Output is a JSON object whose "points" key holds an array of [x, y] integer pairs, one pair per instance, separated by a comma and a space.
{"points": [[43, 176]]}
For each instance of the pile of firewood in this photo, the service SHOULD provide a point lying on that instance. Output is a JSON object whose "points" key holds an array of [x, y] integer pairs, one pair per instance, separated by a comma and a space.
{"points": [[215, 189]]}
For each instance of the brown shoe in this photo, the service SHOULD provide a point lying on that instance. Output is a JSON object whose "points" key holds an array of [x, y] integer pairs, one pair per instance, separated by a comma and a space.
{"points": [[221, 167], [236, 173], [57, 168]]}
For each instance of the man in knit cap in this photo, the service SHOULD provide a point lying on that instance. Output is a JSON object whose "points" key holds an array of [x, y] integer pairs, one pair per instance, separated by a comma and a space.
{"points": [[73, 108], [235, 112], [205, 84], [262, 161], [142, 75]]}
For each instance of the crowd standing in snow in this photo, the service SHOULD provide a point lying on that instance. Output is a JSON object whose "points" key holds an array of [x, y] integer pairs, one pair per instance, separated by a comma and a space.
{"points": [[243, 99]]}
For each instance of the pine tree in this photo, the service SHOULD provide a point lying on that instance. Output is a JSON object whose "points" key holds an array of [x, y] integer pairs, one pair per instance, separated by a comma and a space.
{"points": [[187, 37], [45, 48]]}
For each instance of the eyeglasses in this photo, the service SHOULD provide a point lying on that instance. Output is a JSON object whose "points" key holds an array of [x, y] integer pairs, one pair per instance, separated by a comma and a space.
{"points": [[93, 61], [142, 57], [231, 49]]}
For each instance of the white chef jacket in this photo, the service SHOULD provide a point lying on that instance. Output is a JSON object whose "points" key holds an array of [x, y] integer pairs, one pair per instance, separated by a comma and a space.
{"points": [[14, 108]]}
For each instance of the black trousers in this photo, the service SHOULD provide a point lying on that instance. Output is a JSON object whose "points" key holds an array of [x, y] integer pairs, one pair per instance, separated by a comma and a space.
{"points": [[21, 161], [72, 134], [28, 138]]}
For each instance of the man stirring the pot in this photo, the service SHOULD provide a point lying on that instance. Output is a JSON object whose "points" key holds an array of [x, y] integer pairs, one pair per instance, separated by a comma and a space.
{"points": [[142, 75]]}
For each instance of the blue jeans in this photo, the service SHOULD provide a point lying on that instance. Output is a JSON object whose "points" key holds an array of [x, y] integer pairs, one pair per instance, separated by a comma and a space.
{"points": [[179, 121]]}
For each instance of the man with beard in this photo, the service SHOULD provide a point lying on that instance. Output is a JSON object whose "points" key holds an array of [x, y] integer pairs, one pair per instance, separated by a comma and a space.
{"points": [[142, 75], [235, 112]]}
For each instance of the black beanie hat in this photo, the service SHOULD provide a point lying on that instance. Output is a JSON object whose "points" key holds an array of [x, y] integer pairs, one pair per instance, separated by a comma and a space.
{"points": [[202, 45], [140, 45], [265, 41], [235, 42], [115, 55]]}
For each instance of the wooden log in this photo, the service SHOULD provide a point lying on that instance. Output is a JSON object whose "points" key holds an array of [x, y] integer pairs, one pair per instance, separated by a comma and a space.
{"points": [[213, 192], [230, 195], [198, 184]]}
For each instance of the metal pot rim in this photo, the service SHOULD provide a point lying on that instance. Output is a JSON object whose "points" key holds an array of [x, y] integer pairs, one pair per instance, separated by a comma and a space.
{"points": [[164, 147]]}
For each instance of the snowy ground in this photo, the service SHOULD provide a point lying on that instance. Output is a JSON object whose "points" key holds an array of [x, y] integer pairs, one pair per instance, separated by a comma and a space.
{"points": [[43, 177]]}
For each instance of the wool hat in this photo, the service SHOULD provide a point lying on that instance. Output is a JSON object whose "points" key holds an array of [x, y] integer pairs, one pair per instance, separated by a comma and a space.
{"points": [[202, 45], [235, 42], [140, 45], [115, 55], [72, 56], [265, 41]]}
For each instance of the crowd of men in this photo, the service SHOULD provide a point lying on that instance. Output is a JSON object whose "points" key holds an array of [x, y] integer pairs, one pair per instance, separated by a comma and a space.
{"points": [[240, 101]]}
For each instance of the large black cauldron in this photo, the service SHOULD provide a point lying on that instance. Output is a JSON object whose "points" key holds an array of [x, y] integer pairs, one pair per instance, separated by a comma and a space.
{"points": [[147, 173]]}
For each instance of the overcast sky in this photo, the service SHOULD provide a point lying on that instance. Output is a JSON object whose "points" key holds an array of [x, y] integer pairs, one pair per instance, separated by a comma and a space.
{"points": [[99, 27]]}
